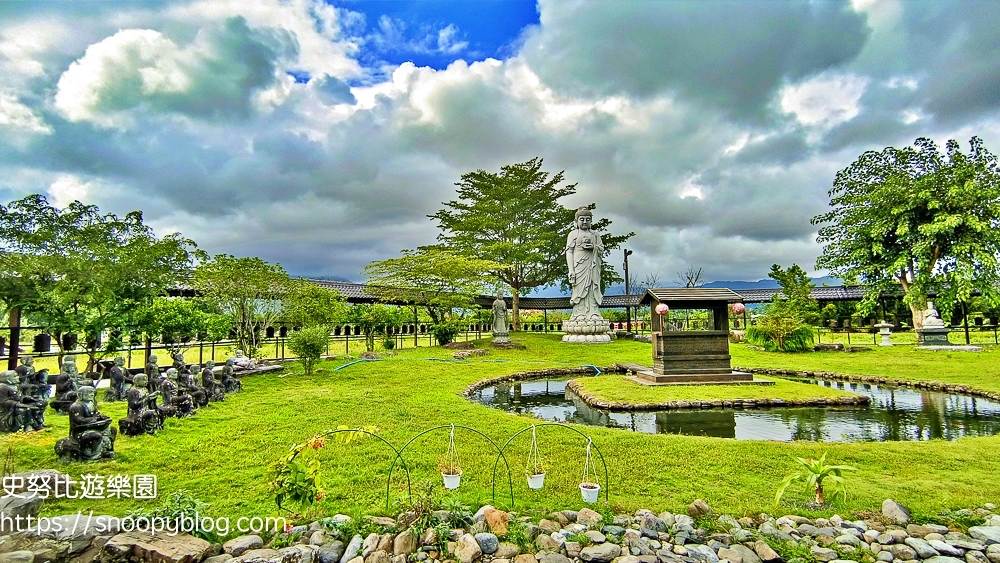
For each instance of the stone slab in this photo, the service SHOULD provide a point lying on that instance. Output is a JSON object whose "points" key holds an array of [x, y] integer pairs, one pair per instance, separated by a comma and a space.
{"points": [[731, 378]]}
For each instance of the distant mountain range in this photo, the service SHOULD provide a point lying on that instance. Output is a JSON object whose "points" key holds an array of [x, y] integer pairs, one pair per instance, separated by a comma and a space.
{"points": [[769, 283], [329, 278]]}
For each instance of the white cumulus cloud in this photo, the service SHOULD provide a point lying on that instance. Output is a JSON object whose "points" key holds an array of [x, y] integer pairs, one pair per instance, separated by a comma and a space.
{"points": [[826, 100], [19, 117]]}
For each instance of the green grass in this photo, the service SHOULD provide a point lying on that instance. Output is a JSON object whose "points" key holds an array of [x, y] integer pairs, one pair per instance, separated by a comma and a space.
{"points": [[223, 454], [618, 389]]}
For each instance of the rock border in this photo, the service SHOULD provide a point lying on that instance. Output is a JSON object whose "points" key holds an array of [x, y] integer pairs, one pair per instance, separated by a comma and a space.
{"points": [[539, 374], [595, 402]]}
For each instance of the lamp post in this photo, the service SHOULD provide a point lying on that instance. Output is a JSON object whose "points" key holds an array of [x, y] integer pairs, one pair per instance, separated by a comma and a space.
{"points": [[628, 292]]}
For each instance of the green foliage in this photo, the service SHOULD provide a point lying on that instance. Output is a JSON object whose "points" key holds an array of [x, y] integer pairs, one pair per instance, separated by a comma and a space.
{"points": [[580, 538], [308, 345], [76, 270], [517, 534], [918, 219], [285, 540], [296, 477], [814, 473], [179, 505], [437, 278], [176, 320], [781, 334], [389, 343], [445, 332], [373, 319], [796, 288], [306, 305], [249, 290], [784, 324], [962, 519], [514, 218]]}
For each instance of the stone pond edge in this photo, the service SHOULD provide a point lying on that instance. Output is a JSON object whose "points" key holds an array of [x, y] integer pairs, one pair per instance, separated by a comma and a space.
{"points": [[596, 402]]}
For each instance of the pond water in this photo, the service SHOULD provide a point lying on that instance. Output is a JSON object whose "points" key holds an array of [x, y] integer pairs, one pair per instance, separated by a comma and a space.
{"points": [[895, 414]]}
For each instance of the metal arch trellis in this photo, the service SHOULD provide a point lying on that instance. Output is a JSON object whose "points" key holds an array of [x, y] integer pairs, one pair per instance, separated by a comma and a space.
{"points": [[388, 481], [607, 483], [500, 456]]}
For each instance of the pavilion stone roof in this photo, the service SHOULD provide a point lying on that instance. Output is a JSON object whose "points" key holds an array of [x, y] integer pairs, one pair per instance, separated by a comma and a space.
{"points": [[823, 293], [693, 294]]}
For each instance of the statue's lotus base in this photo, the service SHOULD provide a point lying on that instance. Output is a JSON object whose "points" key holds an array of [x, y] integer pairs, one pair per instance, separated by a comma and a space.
{"points": [[586, 338], [586, 331], [501, 337]]}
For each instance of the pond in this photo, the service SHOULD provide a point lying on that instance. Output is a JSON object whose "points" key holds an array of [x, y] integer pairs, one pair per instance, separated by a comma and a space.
{"points": [[895, 414]]}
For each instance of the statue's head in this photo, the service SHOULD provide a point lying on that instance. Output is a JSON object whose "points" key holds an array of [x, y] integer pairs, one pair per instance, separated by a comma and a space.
{"points": [[179, 356], [69, 365], [85, 393], [172, 374], [9, 376], [27, 361], [140, 380], [584, 217], [210, 364], [153, 359], [230, 362], [119, 361], [239, 353]]}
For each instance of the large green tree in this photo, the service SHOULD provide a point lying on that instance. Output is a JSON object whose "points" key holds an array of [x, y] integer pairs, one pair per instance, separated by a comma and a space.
{"points": [[919, 220], [250, 290], [77, 270], [437, 278], [514, 218], [310, 305]]}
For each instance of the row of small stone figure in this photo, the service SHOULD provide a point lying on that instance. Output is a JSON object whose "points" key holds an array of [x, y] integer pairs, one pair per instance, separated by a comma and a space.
{"points": [[177, 386], [24, 394]]}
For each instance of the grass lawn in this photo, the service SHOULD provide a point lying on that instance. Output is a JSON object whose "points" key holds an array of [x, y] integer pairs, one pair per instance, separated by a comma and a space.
{"points": [[618, 389], [223, 454], [978, 369]]}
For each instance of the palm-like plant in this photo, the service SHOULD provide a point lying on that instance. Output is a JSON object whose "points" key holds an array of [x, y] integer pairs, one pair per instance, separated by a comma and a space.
{"points": [[816, 472]]}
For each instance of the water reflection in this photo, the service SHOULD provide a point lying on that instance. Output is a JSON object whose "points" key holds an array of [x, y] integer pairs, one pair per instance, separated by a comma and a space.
{"points": [[895, 414]]}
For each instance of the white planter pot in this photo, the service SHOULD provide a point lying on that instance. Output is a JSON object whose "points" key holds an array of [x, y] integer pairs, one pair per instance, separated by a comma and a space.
{"points": [[536, 481], [451, 482], [590, 492]]}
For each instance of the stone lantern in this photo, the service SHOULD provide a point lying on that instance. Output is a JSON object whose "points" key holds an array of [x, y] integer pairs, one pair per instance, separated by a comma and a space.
{"points": [[884, 330]]}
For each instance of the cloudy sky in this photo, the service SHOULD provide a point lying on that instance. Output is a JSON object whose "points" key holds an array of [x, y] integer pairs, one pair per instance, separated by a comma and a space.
{"points": [[320, 135]]}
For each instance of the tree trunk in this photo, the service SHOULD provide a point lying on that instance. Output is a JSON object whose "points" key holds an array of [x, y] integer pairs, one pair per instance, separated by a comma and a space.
{"points": [[515, 311], [918, 314], [14, 323], [819, 495]]}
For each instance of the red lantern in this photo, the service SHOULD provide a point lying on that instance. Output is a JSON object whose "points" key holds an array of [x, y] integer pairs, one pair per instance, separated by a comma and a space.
{"points": [[738, 308], [662, 309]]}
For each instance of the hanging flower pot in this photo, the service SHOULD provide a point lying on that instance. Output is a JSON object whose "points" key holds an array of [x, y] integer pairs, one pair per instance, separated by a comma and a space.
{"points": [[452, 482], [590, 492], [534, 469], [451, 470], [588, 485], [536, 482], [662, 309]]}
